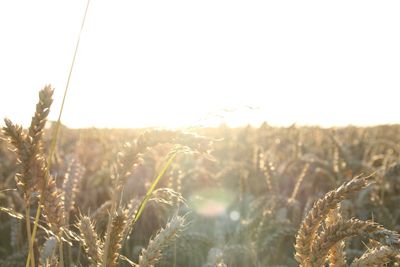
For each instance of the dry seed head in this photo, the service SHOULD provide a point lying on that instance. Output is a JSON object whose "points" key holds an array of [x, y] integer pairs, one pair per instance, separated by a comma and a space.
{"points": [[150, 256], [72, 177], [25, 181], [53, 205], [29, 147], [15, 136], [116, 236], [320, 210], [336, 255], [91, 242], [168, 196], [126, 160], [342, 230], [299, 181], [39, 119], [131, 211], [376, 257]]}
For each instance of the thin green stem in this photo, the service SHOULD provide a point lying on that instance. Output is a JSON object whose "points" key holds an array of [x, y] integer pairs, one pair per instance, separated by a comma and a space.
{"points": [[57, 129], [153, 186], [34, 228], [28, 232]]}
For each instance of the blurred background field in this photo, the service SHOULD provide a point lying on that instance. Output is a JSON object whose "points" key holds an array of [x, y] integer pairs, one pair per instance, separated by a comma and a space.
{"points": [[245, 200]]}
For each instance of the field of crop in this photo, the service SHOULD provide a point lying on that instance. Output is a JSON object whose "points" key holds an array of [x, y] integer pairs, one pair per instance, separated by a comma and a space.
{"points": [[244, 197]]}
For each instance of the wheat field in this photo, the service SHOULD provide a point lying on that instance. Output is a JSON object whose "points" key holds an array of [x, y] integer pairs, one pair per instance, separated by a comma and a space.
{"points": [[208, 197]]}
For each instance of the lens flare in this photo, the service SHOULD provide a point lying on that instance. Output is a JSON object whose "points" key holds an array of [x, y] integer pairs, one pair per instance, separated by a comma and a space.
{"points": [[211, 202]]}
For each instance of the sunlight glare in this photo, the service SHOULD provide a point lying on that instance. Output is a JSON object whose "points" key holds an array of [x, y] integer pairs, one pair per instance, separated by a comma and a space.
{"points": [[182, 64]]}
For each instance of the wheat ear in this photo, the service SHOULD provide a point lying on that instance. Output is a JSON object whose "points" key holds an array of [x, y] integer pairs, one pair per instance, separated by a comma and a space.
{"points": [[318, 213], [117, 229], [91, 242], [152, 254], [336, 255], [375, 257], [342, 230]]}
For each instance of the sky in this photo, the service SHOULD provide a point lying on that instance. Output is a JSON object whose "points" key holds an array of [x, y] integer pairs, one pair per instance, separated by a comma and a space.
{"points": [[202, 63]]}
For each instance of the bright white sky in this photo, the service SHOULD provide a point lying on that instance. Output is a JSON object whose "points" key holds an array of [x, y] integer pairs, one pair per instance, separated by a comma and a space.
{"points": [[180, 63]]}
